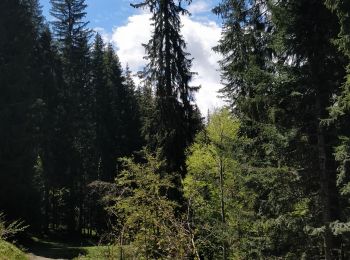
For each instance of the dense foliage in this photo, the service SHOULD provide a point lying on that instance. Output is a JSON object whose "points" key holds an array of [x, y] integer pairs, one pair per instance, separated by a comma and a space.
{"points": [[267, 177], [147, 218], [284, 78], [68, 111]]}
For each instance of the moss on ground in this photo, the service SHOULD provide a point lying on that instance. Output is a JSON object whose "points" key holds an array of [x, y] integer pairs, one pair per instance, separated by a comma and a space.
{"points": [[10, 252]]}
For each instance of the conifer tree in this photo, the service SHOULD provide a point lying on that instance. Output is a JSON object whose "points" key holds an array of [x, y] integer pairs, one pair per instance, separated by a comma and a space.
{"points": [[132, 115], [48, 121], [76, 128], [320, 69], [117, 111], [34, 9], [169, 72], [340, 118], [107, 79], [273, 67], [101, 108], [19, 92]]}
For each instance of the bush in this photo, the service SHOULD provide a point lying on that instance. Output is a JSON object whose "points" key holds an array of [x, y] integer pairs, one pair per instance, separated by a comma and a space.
{"points": [[8, 230], [148, 220]]}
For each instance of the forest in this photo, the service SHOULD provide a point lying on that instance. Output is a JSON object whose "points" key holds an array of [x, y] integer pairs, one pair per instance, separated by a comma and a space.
{"points": [[126, 165]]}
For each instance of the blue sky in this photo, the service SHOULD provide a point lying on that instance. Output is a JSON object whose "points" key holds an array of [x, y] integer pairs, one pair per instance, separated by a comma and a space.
{"points": [[102, 13], [127, 28], [109, 14]]}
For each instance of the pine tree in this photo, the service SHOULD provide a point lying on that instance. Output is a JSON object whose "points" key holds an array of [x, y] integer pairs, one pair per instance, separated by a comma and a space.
{"points": [[102, 110], [76, 121], [273, 67], [19, 93], [248, 89], [117, 112], [47, 121], [147, 105], [169, 72], [132, 115], [34, 8], [339, 117], [320, 69]]}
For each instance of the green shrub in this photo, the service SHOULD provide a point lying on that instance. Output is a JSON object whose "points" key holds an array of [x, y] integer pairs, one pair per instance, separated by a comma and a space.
{"points": [[8, 230]]}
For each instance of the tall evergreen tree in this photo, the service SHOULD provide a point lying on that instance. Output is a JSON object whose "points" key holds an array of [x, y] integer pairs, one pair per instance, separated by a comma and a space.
{"points": [[34, 8], [134, 140], [117, 116], [19, 90], [340, 118], [107, 80], [320, 68], [274, 67], [48, 121], [102, 112], [169, 72], [76, 124]]}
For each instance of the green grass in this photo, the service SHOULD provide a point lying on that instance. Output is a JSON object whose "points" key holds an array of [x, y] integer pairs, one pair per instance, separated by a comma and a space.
{"points": [[95, 252], [105, 253], [10, 252]]}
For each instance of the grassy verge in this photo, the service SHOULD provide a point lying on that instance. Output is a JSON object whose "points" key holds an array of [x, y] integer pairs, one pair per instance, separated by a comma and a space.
{"points": [[10, 252], [105, 253], [94, 252]]}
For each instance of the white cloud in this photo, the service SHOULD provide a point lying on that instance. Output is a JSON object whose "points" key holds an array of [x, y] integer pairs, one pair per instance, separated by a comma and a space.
{"points": [[199, 6], [200, 38], [129, 39]]}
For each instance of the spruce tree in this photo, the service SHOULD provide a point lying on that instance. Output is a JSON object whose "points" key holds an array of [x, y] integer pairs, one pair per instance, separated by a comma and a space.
{"points": [[116, 113], [319, 66], [101, 112], [76, 122], [132, 114], [340, 118], [48, 138], [19, 92], [169, 72], [248, 88], [107, 79], [273, 67]]}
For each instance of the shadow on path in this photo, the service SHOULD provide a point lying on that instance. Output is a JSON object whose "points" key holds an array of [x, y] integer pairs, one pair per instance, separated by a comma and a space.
{"points": [[47, 248]]}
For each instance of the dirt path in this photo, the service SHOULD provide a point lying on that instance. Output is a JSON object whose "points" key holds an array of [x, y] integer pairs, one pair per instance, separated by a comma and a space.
{"points": [[35, 257], [47, 249]]}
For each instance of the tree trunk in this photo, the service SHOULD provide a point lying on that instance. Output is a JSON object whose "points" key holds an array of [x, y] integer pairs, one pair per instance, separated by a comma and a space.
{"points": [[47, 207], [223, 219], [324, 188]]}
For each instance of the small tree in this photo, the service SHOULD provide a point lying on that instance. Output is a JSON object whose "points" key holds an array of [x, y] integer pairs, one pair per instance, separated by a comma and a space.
{"points": [[148, 218], [210, 185]]}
